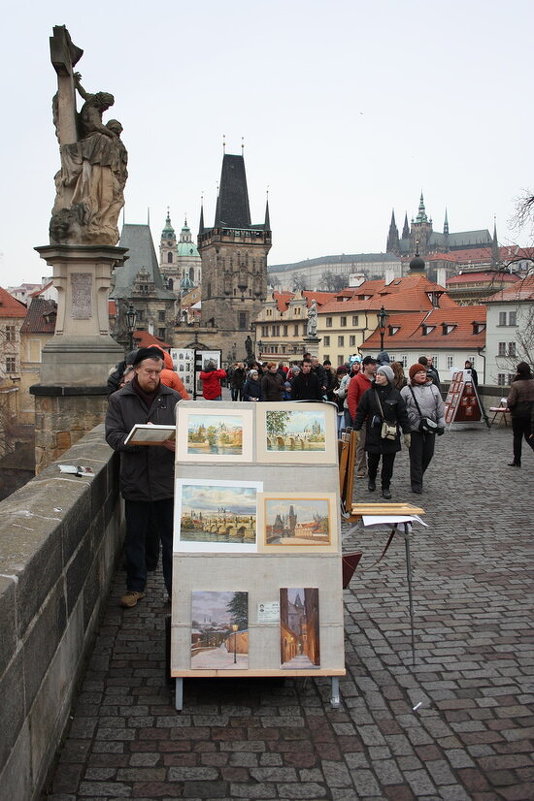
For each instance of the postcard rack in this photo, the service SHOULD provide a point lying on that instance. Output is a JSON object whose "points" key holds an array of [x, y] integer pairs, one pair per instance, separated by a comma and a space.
{"points": [[257, 587]]}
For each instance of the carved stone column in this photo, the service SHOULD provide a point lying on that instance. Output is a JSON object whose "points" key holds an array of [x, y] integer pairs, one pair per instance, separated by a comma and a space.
{"points": [[71, 397]]}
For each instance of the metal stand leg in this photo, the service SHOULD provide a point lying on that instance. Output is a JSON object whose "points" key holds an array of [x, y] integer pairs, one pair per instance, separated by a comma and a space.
{"points": [[407, 533], [335, 700], [179, 695]]}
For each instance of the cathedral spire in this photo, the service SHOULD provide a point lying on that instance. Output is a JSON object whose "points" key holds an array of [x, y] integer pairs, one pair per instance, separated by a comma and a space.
{"points": [[267, 224], [406, 227], [201, 223], [392, 244], [233, 210], [495, 252], [421, 214], [446, 224]]}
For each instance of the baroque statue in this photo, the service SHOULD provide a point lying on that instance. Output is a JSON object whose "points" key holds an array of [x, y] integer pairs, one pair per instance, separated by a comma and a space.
{"points": [[90, 184], [312, 320]]}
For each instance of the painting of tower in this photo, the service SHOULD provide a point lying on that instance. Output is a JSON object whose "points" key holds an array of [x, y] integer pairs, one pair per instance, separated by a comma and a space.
{"points": [[234, 260]]}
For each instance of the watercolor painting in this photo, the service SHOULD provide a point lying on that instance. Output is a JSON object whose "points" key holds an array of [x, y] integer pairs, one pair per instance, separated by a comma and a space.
{"points": [[215, 515], [219, 630], [297, 432], [214, 435], [299, 520], [299, 628]]}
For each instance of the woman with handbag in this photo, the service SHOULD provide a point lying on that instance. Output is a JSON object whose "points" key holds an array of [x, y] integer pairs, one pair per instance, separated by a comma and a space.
{"points": [[426, 412], [383, 410]]}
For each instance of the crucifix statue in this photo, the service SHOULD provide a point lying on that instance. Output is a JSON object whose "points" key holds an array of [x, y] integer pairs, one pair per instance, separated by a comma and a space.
{"points": [[90, 183]]}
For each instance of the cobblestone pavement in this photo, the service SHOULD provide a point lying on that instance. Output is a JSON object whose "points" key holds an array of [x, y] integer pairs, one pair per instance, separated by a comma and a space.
{"points": [[459, 725]]}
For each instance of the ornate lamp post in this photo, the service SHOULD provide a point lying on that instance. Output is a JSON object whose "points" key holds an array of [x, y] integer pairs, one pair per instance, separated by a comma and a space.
{"points": [[131, 318], [234, 629], [382, 316]]}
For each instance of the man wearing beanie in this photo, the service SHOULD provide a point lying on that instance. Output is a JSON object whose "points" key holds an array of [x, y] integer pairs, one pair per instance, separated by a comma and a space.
{"points": [[423, 401], [146, 472], [382, 404], [357, 387]]}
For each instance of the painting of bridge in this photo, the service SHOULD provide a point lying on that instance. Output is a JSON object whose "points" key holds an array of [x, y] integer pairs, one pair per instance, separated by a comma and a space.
{"points": [[215, 515], [214, 435], [297, 519], [296, 432]]}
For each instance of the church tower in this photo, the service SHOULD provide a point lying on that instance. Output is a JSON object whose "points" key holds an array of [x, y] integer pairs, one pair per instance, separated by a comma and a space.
{"points": [[421, 230], [188, 260], [168, 255], [234, 260]]}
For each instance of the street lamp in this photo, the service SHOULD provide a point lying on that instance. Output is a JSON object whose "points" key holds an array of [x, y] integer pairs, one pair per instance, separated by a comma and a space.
{"points": [[131, 317], [234, 629], [260, 347], [382, 316]]}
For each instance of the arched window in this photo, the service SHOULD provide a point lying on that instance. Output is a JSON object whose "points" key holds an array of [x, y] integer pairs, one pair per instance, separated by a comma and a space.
{"points": [[192, 273], [169, 257]]}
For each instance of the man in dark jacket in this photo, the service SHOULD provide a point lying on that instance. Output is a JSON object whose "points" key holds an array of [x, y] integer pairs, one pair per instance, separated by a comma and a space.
{"points": [[146, 472], [306, 385]]}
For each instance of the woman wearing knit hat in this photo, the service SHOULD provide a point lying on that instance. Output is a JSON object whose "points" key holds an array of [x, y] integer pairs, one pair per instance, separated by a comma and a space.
{"points": [[423, 402], [382, 404]]}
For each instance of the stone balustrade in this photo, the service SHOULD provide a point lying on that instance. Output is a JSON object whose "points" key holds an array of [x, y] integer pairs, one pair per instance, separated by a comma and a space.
{"points": [[60, 536]]}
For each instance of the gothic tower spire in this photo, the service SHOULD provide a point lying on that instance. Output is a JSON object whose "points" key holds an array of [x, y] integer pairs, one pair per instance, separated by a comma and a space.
{"points": [[393, 244]]}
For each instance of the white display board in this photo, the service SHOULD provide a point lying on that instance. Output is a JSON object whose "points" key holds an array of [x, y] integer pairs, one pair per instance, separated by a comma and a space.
{"points": [[257, 582]]}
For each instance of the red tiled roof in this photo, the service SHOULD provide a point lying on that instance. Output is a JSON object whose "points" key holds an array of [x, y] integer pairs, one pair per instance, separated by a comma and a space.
{"points": [[410, 333], [495, 277], [402, 294], [10, 306], [524, 290], [40, 317], [40, 290], [143, 339]]}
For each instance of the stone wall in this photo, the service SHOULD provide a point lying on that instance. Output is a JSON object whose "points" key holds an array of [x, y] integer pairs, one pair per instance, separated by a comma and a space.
{"points": [[60, 536]]}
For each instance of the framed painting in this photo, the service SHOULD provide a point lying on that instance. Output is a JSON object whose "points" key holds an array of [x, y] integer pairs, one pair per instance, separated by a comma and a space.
{"points": [[215, 516], [214, 435], [299, 628], [219, 630], [297, 522], [301, 433]]}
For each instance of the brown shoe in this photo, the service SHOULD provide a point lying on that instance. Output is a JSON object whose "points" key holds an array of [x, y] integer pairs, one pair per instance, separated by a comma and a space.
{"points": [[130, 598]]}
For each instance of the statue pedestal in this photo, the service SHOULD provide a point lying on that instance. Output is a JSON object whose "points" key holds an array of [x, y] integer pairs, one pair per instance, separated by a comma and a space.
{"points": [[71, 397], [311, 345]]}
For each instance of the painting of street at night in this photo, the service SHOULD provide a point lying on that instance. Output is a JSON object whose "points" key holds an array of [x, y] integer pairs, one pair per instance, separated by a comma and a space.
{"points": [[299, 628], [219, 630]]}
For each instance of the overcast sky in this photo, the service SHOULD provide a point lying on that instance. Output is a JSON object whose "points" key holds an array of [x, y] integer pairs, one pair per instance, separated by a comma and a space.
{"points": [[347, 108]]}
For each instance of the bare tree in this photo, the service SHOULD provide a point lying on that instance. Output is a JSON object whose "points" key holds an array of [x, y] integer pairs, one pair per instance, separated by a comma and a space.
{"points": [[298, 282], [333, 282]]}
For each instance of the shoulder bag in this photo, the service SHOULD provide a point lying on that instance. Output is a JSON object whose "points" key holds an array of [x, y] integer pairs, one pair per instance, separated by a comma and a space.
{"points": [[426, 425], [387, 430]]}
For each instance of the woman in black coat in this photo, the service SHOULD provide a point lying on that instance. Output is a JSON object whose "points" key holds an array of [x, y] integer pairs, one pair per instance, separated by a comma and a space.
{"points": [[252, 387], [382, 403]]}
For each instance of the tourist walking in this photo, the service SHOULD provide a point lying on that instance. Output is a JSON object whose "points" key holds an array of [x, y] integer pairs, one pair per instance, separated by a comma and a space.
{"points": [[272, 384], [521, 405], [211, 377], [357, 387], [383, 411], [426, 412]]}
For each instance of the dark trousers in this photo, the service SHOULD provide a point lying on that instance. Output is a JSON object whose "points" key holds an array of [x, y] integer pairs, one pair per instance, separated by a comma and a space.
{"points": [[421, 453], [141, 517], [236, 393], [521, 428], [387, 467]]}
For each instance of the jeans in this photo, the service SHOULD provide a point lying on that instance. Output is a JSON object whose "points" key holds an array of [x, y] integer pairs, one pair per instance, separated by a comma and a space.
{"points": [[140, 517], [421, 453]]}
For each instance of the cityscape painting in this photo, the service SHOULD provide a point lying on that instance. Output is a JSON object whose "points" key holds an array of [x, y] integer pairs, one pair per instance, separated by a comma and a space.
{"points": [[214, 435], [306, 521], [299, 628], [215, 516], [296, 432], [219, 630]]}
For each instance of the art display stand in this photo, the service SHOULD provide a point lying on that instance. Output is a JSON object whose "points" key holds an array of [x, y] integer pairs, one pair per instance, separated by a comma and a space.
{"points": [[257, 569], [463, 404]]}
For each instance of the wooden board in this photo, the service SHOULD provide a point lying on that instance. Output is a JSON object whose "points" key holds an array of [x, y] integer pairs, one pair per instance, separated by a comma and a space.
{"points": [[359, 509]]}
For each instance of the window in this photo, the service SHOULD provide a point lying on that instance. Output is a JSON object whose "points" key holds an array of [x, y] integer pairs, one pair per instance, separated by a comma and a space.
{"points": [[343, 322], [161, 333], [404, 361], [329, 322], [511, 349], [502, 321], [501, 379], [284, 330], [508, 318], [169, 257], [265, 330], [512, 318], [435, 362], [354, 320], [502, 348], [326, 341], [340, 342], [340, 361], [242, 321], [161, 316], [10, 333], [450, 362], [352, 341], [296, 330], [140, 315], [11, 364]]}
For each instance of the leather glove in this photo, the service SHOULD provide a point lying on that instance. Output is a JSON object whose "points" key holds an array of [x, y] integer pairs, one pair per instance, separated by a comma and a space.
{"points": [[407, 440], [440, 431]]}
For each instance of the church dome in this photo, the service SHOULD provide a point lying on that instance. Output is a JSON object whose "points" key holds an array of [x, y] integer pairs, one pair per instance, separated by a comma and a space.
{"points": [[417, 264]]}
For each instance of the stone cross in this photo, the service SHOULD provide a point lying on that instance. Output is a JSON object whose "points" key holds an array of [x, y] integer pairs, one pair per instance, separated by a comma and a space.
{"points": [[64, 56]]}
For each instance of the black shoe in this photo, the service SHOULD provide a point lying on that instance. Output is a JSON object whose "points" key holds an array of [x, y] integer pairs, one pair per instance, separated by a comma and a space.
{"points": [[514, 464], [371, 486], [386, 493], [417, 490]]}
